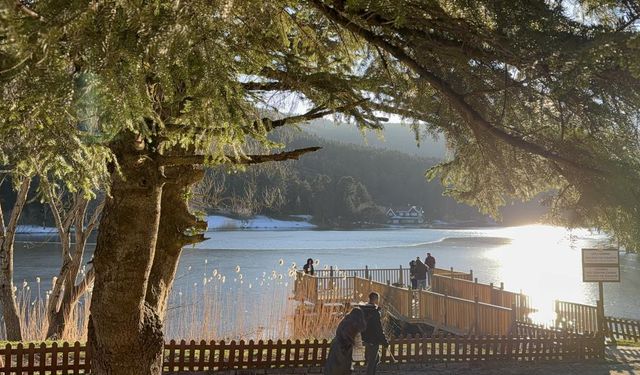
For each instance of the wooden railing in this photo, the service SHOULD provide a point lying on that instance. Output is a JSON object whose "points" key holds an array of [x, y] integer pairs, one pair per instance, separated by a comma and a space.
{"points": [[445, 312], [398, 276], [486, 293], [399, 298], [581, 318], [463, 316], [220, 355], [305, 288], [625, 329], [576, 317]]}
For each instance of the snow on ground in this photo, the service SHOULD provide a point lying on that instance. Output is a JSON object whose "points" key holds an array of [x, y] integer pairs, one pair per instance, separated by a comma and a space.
{"points": [[34, 229], [216, 222]]}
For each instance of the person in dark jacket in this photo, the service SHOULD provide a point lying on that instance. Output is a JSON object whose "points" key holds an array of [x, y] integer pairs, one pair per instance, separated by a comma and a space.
{"points": [[308, 268], [341, 351], [431, 263], [412, 274], [373, 336], [421, 274]]}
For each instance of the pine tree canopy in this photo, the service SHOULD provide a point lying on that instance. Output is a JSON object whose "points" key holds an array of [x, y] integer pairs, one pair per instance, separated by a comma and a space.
{"points": [[531, 96]]}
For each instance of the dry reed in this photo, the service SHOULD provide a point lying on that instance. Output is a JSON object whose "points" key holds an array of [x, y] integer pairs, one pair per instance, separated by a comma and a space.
{"points": [[222, 306]]}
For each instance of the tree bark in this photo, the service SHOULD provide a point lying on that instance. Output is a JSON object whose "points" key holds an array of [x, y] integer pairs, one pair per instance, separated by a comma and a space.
{"points": [[125, 336], [7, 240], [175, 223]]}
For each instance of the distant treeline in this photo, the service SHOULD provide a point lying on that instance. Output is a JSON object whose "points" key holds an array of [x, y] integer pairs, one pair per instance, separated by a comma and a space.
{"points": [[340, 185]]}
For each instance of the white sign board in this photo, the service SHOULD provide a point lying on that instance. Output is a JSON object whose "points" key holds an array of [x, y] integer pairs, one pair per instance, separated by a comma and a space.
{"points": [[600, 265]]}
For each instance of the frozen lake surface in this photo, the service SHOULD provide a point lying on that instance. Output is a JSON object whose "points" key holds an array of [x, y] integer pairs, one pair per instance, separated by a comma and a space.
{"points": [[542, 261]]}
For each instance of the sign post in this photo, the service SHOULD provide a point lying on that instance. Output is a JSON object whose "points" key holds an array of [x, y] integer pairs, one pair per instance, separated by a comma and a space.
{"points": [[601, 265]]}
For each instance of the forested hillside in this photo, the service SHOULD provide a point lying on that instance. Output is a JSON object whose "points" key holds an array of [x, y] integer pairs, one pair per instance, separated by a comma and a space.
{"points": [[341, 184]]}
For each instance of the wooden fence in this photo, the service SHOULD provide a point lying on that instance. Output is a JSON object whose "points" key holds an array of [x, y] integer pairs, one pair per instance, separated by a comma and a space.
{"points": [[217, 356], [42, 359], [576, 316], [625, 329], [486, 293]]}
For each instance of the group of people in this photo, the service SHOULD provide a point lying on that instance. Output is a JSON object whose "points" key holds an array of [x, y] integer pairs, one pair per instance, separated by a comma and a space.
{"points": [[364, 320], [420, 272]]}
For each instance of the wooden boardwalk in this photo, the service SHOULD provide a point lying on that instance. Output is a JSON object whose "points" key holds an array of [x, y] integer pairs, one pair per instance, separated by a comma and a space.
{"points": [[455, 302]]}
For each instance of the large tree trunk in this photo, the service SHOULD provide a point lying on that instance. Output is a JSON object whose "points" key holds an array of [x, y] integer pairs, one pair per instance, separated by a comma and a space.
{"points": [[7, 239], [125, 336], [175, 223]]}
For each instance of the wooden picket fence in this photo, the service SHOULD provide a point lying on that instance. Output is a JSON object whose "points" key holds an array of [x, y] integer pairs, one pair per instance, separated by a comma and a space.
{"points": [[625, 329], [220, 355]]}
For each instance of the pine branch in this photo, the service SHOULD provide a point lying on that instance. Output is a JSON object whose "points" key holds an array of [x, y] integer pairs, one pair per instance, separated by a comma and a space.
{"points": [[473, 118], [175, 160]]}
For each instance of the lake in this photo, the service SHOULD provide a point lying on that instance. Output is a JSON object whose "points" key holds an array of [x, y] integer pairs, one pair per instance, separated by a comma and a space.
{"points": [[244, 270]]}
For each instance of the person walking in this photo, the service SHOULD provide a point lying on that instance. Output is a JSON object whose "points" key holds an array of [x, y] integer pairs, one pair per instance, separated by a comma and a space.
{"points": [[412, 274], [373, 335], [431, 263], [340, 356], [308, 268], [421, 274]]}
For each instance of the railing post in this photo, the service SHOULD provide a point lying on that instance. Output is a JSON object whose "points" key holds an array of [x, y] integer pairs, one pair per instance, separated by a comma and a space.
{"points": [[446, 298], [331, 277], [452, 272], [475, 287], [400, 278], [366, 273], [470, 274], [601, 326], [476, 315], [492, 294]]}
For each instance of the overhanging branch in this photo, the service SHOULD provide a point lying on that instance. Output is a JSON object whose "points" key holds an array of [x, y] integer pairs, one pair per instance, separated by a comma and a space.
{"points": [[474, 119], [237, 160]]}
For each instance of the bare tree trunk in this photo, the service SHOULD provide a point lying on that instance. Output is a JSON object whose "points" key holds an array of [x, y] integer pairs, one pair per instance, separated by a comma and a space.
{"points": [[7, 240], [125, 336], [60, 319], [175, 222], [66, 293]]}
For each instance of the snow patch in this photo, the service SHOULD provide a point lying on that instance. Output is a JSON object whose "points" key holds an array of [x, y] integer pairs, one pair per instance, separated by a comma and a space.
{"points": [[34, 229], [216, 222]]}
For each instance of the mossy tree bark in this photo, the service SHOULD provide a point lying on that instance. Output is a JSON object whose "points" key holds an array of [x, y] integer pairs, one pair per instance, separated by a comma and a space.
{"points": [[125, 333]]}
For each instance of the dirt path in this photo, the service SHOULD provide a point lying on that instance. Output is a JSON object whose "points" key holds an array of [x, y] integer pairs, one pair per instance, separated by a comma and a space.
{"points": [[620, 361]]}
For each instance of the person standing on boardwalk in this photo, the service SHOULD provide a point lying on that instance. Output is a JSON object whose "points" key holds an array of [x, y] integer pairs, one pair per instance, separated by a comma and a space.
{"points": [[373, 336], [421, 274], [340, 356], [412, 274], [308, 268], [431, 263]]}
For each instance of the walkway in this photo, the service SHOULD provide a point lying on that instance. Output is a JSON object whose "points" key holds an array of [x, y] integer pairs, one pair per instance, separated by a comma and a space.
{"points": [[621, 361]]}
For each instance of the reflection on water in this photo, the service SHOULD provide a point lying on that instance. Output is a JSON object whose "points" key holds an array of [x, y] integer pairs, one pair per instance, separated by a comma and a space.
{"points": [[542, 261]]}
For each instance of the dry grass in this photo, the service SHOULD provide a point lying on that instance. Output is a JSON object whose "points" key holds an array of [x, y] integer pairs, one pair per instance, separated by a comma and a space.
{"points": [[224, 305]]}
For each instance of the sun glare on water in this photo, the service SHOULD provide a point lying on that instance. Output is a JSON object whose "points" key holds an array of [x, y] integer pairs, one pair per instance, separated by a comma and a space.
{"points": [[545, 263]]}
